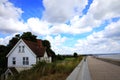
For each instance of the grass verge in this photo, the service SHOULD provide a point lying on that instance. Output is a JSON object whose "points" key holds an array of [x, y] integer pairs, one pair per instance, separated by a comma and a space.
{"points": [[58, 70]]}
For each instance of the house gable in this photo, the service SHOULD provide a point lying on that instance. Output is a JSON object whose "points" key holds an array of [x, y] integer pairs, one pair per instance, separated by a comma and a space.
{"points": [[46, 58], [27, 53], [19, 58], [17, 45], [9, 72], [45, 55]]}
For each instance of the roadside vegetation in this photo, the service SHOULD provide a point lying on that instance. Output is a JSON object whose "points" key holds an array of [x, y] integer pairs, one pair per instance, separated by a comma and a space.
{"points": [[58, 70], [61, 67]]}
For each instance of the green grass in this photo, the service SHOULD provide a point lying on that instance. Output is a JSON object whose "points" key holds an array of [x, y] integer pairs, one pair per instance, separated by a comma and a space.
{"points": [[58, 70]]}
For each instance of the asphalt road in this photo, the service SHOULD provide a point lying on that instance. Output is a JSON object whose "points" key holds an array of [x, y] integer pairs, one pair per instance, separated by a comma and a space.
{"points": [[101, 70], [81, 72]]}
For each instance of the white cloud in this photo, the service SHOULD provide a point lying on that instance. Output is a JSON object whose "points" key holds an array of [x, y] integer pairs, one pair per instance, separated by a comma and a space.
{"points": [[7, 10], [11, 25], [52, 24], [65, 50], [57, 40], [38, 26], [98, 46], [57, 43], [105, 9], [10, 18], [60, 28], [77, 26], [5, 41], [58, 11], [113, 30], [99, 11], [105, 41]]}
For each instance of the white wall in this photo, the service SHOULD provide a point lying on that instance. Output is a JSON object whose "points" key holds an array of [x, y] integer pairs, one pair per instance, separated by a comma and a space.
{"points": [[19, 57], [46, 58]]}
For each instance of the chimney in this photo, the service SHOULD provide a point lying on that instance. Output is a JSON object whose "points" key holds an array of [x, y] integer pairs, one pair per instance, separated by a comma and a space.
{"points": [[39, 42]]}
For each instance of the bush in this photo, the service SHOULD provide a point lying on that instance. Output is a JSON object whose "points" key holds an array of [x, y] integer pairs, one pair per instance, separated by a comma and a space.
{"points": [[48, 71]]}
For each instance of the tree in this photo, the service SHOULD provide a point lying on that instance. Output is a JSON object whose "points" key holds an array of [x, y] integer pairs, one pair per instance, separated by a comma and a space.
{"points": [[3, 59], [46, 44], [26, 35], [29, 36], [52, 53], [75, 54], [60, 57], [13, 41]]}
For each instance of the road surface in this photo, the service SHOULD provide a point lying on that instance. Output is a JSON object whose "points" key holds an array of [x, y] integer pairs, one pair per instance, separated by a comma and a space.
{"points": [[100, 70], [81, 72], [95, 69]]}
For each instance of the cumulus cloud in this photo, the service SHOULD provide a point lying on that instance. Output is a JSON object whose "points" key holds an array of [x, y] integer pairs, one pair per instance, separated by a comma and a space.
{"points": [[99, 11], [105, 9], [52, 25], [10, 18], [113, 30], [7, 10], [58, 11], [57, 40], [11, 26], [60, 28], [77, 26], [88, 46], [5, 41], [57, 43], [104, 41], [38, 26]]}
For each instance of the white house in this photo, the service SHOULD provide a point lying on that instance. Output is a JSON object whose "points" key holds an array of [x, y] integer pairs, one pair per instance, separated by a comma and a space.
{"points": [[25, 54]]}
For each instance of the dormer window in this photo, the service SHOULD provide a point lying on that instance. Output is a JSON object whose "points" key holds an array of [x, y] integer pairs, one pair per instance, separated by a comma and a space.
{"points": [[21, 49]]}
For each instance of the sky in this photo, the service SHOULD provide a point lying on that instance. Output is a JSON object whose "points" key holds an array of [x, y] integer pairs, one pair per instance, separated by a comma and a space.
{"points": [[82, 26]]}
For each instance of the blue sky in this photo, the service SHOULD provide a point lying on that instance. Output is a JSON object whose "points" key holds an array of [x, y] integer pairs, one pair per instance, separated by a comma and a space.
{"points": [[82, 26], [31, 8]]}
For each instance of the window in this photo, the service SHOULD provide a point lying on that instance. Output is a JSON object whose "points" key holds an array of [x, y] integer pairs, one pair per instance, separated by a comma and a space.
{"points": [[14, 61], [25, 61], [21, 49]]}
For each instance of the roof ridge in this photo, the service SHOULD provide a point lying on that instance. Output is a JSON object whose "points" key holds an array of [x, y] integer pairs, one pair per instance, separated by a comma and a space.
{"points": [[36, 47]]}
